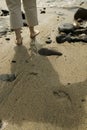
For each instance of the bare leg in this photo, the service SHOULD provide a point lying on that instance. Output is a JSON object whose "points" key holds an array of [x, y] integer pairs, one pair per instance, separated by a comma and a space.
{"points": [[33, 32], [18, 36]]}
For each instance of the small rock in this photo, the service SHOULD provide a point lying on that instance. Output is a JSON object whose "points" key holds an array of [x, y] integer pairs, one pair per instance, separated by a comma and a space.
{"points": [[69, 84], [7, 77], [4, 12], [49, 41], [81, 13], [61, 38], [48, 38], [44, 8], [7, 39], [13, 61], [80, 31], [42, 12], [83, 100], [66, 28]]}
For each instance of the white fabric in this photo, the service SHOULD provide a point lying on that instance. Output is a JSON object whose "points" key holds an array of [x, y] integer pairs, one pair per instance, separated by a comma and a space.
{"points": [[30, 8]]}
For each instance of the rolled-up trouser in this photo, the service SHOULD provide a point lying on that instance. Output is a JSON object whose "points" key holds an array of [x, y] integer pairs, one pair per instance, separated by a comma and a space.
{"points": [[30, 8]]}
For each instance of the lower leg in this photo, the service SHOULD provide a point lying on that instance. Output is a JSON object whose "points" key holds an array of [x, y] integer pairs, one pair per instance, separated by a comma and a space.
{"points": [[18, 36]]}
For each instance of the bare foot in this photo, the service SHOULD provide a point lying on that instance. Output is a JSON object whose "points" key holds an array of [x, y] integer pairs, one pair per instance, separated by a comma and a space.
{"points": [[19, 41], [34, 34]]}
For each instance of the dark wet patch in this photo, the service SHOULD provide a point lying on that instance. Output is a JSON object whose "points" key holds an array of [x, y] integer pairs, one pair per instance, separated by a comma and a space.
{"points": [[48, 52], [8, 77]]}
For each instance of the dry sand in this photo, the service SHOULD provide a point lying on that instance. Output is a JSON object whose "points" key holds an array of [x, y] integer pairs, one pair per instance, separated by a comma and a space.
{"points": [[49, 93]]}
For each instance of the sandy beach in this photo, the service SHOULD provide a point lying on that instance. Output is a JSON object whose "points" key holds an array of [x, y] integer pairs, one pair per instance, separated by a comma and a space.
{"points": [[49, 92]]}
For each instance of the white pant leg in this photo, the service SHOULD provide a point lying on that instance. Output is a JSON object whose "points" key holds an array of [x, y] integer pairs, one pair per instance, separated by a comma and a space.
{"points": [[14, 7], [31, 12]]}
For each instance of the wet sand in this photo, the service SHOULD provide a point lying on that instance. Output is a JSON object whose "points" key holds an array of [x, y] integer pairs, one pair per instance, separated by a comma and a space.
{"points": [[50, 92]]}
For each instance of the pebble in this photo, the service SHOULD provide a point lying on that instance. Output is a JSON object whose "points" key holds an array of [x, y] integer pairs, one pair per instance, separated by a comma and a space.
{"points": [[66, 28], [13, 61], [42, 11], [60, 39], [7, 39], [7, 77], [4, 12], [49, 41]]}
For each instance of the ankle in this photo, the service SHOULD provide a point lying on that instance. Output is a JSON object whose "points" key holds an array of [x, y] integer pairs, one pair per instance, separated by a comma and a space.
{"points": [[19, 38], [31, 30], [18, 33]]}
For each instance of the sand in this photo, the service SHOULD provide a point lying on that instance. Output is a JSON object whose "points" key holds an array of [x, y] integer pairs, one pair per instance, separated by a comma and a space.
{"points": [[50, 92]]}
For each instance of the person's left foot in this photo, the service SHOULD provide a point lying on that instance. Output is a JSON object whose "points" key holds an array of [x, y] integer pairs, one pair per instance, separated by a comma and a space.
{"points": [[34, 34]]}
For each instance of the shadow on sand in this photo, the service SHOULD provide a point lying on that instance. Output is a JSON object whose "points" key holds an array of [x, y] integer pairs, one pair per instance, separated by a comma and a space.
{"points": [[38, 96]]}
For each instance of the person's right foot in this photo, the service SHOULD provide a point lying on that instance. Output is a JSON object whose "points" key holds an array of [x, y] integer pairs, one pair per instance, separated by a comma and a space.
{"points": [[34, 34]]}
